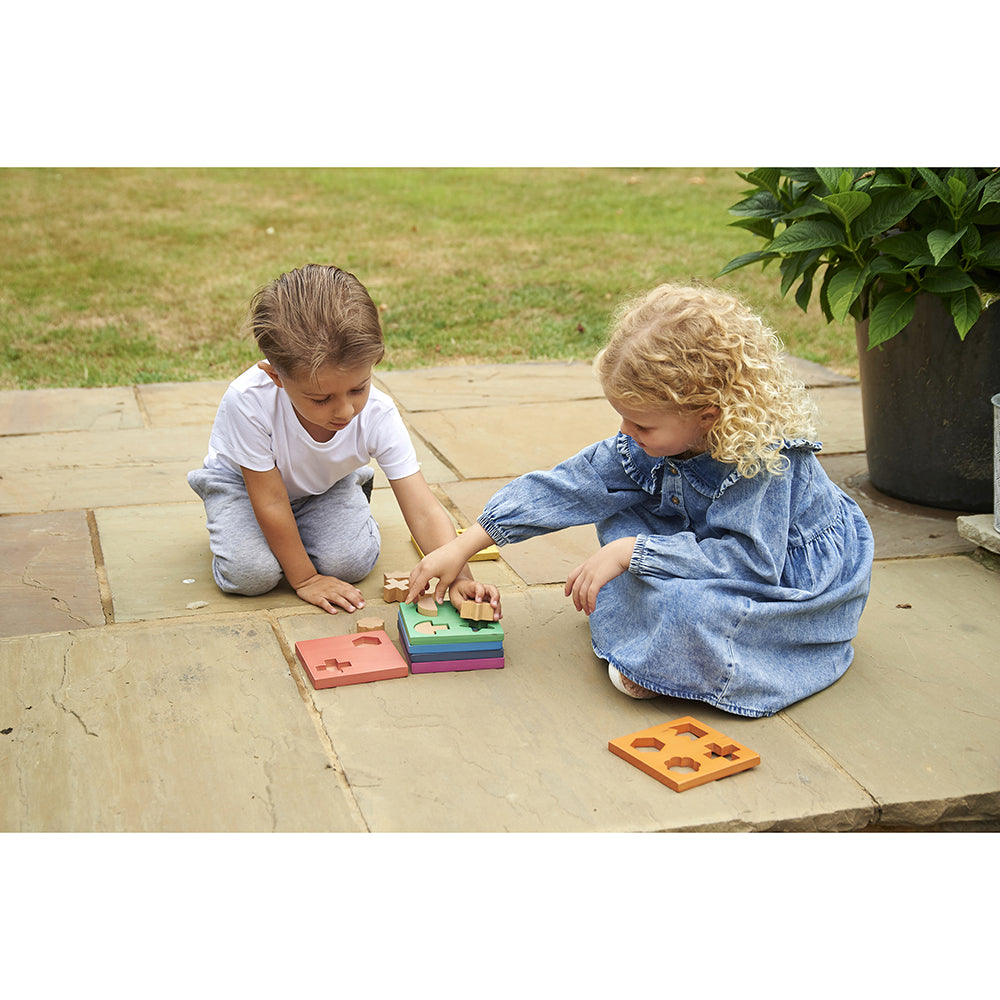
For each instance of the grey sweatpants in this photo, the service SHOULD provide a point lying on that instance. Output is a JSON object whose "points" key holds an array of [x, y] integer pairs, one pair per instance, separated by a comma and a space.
{"points": [[337, 529]]}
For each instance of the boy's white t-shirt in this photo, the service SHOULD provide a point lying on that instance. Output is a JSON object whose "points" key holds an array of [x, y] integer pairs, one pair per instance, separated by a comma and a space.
{"points": [[256, 427]]}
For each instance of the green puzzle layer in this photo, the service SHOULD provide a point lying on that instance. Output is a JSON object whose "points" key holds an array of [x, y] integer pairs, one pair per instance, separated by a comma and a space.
{"points": [[449, 627]]}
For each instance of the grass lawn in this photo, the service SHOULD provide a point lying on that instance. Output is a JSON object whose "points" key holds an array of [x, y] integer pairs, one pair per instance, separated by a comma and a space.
{"points": [[121, 276]]}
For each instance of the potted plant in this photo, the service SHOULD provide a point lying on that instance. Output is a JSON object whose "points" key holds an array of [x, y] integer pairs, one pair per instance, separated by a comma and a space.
{"points": [[913, 255]]}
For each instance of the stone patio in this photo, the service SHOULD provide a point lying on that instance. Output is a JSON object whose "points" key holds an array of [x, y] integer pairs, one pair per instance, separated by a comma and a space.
{"points": [[134, 696]]}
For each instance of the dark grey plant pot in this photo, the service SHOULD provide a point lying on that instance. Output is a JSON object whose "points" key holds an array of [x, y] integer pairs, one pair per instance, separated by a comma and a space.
{"points": [[926, 400]]}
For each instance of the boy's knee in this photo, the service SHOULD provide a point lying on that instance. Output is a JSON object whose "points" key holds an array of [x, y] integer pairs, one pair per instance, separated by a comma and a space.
{"points": [[350, 566], [245, 579]]}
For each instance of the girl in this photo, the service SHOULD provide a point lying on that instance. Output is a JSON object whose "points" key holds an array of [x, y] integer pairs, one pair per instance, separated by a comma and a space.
{"points": [[732, 570], [285, 483]]}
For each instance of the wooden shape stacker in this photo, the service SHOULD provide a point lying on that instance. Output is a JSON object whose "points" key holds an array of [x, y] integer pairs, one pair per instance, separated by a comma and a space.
{"points": [[447, 642]]}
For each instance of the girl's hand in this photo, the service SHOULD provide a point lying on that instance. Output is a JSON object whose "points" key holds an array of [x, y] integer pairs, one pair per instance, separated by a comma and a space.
{"points": [[584, 583], [464, 589], [327, 591]]}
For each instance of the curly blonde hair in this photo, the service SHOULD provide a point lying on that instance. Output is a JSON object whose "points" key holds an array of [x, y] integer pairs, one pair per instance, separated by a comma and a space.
{"points": [[683, 349]]}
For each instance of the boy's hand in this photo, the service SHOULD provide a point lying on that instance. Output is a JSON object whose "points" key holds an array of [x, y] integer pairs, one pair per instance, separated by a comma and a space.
{"points": [[465, 589], [584, 583], [444, 563], [327, 591]]}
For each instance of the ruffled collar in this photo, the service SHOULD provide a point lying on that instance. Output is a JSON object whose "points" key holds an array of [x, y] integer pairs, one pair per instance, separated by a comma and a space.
{"points": [[704, 473]]}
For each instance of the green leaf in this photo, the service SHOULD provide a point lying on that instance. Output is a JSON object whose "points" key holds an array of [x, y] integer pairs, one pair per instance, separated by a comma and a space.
{"points": [[940, 241], [989, 253], [744, 259], [938, 186], [763, 177], [905, 247], [971, 242], [847, 206], [965, 307], [991, 191], [804, 292], [759, 227], [809, 234], [889, 207], [958, 189], [802, 175], [891, 314], [844, 288], [831, 177], [760, 204], [945, 280]]}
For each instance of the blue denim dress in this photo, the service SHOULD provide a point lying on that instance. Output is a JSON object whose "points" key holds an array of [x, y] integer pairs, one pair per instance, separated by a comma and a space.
{"points": [[742, 593]]}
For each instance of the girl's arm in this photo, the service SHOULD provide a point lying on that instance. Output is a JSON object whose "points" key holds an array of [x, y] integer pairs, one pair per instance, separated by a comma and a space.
{"points": [[432, 530], [273, 511]]}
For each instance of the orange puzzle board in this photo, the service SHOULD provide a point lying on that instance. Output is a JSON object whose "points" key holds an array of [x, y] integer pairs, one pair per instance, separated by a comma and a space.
{"points": [[684, 743], [350, 659]]}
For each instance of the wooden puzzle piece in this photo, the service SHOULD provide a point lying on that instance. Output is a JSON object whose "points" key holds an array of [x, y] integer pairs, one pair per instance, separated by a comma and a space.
{"points": [[350, 659], [395, 587], [684, 753], [369, 625], [476, 612], [426, 605]]}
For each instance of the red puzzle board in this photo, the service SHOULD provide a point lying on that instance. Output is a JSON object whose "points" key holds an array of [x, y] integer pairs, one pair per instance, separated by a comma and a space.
{"points": [[350, 659], [684, 742]]}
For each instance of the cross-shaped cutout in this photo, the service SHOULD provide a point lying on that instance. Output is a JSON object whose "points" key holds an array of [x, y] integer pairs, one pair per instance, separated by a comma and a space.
{"points": [[729, 752], [335, 664]]}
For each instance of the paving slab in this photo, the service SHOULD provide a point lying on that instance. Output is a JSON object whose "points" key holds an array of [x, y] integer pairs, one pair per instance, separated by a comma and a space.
{"points": [[980, 529], [36, 411], [463, 386], [816, 375], [525, 748], [76, 450], [88, 488], [176, 404], [159, 565], [901, 529], [489, 442], [916, 718], [48, 579], [98, 468], [186, 728], [839, 423]]}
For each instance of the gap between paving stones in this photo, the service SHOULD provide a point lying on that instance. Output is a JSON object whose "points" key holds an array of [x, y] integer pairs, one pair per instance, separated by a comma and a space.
{"points": [[302, 686], [100, 570], [836, 764]]}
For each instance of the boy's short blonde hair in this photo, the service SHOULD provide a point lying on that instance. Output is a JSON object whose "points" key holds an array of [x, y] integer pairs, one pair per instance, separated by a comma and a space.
{"points": [[683, 349], [315, 316]]}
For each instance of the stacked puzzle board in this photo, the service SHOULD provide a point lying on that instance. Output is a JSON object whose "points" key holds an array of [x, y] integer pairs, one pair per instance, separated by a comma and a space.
{"points": [[446, 641]]}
